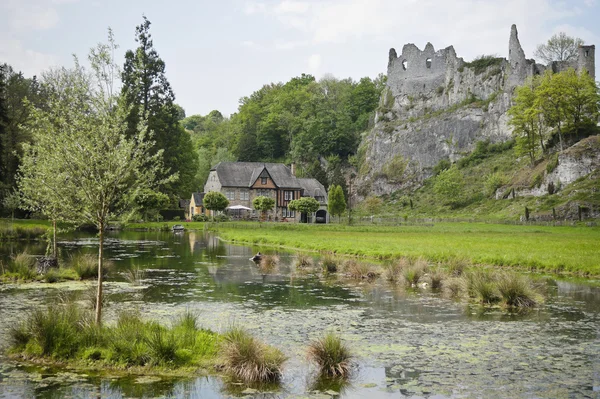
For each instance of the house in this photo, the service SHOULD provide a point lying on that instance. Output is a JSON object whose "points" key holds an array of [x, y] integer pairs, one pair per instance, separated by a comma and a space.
{"points": [[241, 182], [195, 206]]}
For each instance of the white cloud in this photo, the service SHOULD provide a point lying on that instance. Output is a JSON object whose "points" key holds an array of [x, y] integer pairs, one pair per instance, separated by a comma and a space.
{"points": [[314, 62], [25, 60], [479, 26]]}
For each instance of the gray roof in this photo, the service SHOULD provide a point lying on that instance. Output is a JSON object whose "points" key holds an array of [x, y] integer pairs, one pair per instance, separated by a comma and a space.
{"points": [[244, 174], [198, 197], [183, 203], [313, 188]]}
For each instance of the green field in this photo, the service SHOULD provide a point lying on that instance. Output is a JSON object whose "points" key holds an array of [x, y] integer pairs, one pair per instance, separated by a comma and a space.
{"points": [[557, 249]]}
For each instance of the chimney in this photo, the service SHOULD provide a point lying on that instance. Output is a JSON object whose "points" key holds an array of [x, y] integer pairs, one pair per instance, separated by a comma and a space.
{"points": [[293, 168]]}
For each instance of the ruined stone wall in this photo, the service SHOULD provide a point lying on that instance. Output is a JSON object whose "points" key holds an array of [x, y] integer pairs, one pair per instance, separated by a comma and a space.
{"points": [[436, 107]]}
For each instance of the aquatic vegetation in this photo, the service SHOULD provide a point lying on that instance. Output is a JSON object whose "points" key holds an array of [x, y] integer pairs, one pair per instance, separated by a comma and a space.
{"points": [[134, 275], [457, 266], [84, 264], [437, 277], [454, 287], [393, 270], [359, 270], [21, 231], [249, 360], [413, 273], [303, 261], [518, 291], [483, 287], [20, 267], [65, 332], [329, 264], [268, 263], [331, 355]]}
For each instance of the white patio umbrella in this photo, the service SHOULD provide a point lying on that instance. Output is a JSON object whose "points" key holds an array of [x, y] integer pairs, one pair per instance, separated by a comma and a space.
{"points": [[239, 208]]}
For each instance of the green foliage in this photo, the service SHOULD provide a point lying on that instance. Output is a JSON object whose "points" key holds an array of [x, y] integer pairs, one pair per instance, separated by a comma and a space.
{"points": [[518, 291], [372, 205], [307, 205], [336, 200], [329, 264], [215, 201], [200, 217], [552, 163], [331, 355], [394, 169], [481, 63], [84, 264], [263, 204], [441, 166], [148, 98], [493, 182], [249, 360], [484, 149], [448, 186]]}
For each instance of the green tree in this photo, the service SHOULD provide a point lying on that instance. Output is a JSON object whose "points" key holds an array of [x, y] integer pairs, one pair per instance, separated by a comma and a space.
{"points": [[83, 165], [150, 202], [560, 47], [215, 201], [12, 202], [306, 205], [336, 201], [449, 185], [527, 121], [373, 205], [146, 92], [263, 205]]}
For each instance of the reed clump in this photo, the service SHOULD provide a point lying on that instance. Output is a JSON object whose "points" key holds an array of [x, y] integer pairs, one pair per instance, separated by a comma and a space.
{"points": [[268, 263], [361, 270], [134, 275], [518, 291], [249, 360], [303, 261], [414, 272], [331, 355], [330, 264], [393, 270], [482, 286]]}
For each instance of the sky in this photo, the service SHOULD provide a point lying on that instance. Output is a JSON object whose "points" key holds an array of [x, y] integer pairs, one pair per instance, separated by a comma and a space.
{"points": [[217, 52]]}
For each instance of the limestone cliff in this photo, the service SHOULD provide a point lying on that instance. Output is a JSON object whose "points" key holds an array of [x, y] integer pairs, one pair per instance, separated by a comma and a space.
{"points": [[436, 106]]}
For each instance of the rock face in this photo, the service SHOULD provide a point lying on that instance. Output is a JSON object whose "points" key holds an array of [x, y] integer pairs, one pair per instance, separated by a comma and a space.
{"points": [[436, 106]]}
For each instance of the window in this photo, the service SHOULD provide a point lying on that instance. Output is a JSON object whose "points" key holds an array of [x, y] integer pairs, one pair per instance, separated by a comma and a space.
{"points": [[244, 196], [405, 65], [288, 195], [230, 195], [264, 193], [263, 180], [428, 63], [286, 213]]}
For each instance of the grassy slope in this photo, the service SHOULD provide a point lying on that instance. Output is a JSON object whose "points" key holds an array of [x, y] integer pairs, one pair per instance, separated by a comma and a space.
{"points": [[572, 249], [480, 205]]}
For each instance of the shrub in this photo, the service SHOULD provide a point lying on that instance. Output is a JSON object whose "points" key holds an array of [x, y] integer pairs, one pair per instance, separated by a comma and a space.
{"points": [[482, 62], [552, 163], [493, 182], [331, 355], [329, 264], [249, 360], [441, 166], [200, 218], [517, 291]]}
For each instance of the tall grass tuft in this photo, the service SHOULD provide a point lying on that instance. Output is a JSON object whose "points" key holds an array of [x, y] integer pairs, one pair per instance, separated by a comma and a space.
{"points": [[359, 270], [329, 264], [393, 271], [413, 273], [437, 277], [454, 287], [21, 266], [134, 275], [331, 355], [249, 360], [457, 266], [517, 291], [268, 263], [162, 346], [85, 265], [303, 261], [483, 287]]}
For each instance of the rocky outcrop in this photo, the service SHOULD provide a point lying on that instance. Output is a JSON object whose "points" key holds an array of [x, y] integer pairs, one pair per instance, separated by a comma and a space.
{"points": [[437, 107]]}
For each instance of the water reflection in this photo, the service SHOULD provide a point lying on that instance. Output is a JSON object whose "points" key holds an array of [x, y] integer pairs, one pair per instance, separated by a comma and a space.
{"points": [[408, 342]]}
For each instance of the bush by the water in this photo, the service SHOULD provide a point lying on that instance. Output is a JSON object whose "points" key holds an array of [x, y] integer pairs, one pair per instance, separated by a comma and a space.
{"points": [[303, 261], [268, 263], [331, 355], [329, 264], [249, 360]]}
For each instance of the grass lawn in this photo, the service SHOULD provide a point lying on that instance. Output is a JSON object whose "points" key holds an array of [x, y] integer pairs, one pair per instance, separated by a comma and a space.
{"points": [[568, 249]]}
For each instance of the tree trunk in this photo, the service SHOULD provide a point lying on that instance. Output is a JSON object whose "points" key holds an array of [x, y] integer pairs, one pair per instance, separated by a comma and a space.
{"points": [[54, 248], [99, 294]]}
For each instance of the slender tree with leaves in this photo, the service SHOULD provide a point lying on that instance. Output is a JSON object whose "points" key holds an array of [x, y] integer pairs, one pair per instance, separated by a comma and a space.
{"points": [[215, 201], [263, 205], [84, 166], [336, 201], [306, 205], [560, 47]]}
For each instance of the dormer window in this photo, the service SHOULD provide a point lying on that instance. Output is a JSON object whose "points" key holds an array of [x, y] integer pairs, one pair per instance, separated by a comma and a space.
{"points": [[263, 180]]}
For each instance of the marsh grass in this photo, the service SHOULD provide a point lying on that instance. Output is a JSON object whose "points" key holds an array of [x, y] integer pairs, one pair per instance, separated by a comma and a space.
{"points": [[454, 287], [331, 355], [247, 359], [330, 264], [414, 272], [65, 332], [268, 263], [303, 261], [437, 277], [457, 266], [20, 267], [134, 275], [360, 270], [86, 265], [518, 291], [482, 285], [393, 269], [10, 231]]}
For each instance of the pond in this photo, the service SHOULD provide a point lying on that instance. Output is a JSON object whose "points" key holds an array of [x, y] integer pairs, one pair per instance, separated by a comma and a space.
{"points": [[408, 343]]}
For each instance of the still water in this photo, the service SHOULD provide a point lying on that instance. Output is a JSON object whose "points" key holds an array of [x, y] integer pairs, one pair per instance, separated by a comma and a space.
{"points": [[409, 344]]}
